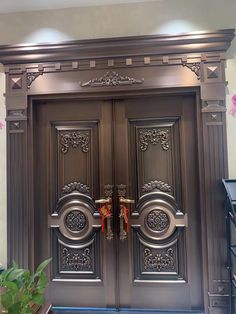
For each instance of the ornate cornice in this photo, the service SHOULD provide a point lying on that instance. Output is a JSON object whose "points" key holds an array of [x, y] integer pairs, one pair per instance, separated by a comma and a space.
{"points": [[216, 41]]}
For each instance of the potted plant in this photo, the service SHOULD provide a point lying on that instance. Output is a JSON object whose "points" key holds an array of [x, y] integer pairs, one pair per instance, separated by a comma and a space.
{"points": [[22, 292]]}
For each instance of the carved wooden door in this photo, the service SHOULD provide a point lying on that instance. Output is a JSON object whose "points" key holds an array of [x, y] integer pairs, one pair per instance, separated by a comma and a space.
{"points": [[73, 168], [139, 155], [156, 162]]}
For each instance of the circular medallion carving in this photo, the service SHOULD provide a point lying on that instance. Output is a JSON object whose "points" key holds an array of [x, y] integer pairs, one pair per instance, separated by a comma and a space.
{"points": [[158, 220], [75, 220]]}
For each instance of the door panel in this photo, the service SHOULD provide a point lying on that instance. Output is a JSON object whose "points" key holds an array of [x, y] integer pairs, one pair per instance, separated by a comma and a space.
{"points": [[74, 169], [158, 166]]}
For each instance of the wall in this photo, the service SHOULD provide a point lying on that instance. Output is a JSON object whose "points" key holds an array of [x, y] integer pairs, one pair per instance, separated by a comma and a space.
{"points": [[163, 16]]}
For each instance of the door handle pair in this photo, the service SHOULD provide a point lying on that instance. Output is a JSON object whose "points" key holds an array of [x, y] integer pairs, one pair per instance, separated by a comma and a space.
{"points": [[106, 212]]}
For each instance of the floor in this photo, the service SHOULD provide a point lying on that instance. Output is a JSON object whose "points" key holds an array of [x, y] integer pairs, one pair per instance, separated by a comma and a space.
{"points": [[106, 311]]}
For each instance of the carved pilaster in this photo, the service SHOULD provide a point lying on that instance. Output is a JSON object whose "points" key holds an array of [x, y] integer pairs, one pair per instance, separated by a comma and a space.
{"points": [[215, 149], [17, 187]]}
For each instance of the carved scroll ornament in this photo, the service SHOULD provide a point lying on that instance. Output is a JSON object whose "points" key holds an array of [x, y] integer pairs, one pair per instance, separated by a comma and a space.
{"points": [[159, 261], [112, 78], [154, 136], [75, 259], [31, 76], [75, 139], [194, 67]]}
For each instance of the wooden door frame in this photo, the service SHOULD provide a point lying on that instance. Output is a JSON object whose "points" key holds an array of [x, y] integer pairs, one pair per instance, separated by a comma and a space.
{"points": [[118, 68]]}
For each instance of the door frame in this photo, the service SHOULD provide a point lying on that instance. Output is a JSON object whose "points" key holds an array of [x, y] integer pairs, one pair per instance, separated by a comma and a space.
{"points": [[121, 68]]}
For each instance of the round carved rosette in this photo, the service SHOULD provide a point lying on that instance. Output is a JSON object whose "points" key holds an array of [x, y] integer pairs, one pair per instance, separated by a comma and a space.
{"points": [[75, 221], [157, 220]]}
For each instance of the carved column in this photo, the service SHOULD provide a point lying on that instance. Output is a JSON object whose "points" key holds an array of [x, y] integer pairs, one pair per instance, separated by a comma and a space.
{"points": [[215, 168], [18, 214]]}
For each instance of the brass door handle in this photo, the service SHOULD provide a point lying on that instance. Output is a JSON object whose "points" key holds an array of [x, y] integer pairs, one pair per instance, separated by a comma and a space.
{"points": [[126, 200], [106, 212], [124, 216], [107, 200]]}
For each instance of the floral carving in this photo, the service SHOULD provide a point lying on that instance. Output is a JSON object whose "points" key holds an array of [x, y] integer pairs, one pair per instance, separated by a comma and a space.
{"points": [[111, 78], [75, 221], [194, 67], [157, 220], [154, 136], [75, 186], [74, 139], [160, 261], [156, 185], [75, 259]]}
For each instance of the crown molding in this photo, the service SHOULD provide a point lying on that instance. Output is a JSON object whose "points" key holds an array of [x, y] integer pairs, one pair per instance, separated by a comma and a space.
{"points": [[195, 42]]}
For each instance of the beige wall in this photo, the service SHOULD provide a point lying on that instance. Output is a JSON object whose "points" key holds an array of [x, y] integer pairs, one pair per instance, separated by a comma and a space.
{"points": [[163, 16]]}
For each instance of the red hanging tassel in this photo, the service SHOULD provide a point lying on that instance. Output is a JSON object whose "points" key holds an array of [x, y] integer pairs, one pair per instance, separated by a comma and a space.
{"points": [[105, 212], [125, 213]]}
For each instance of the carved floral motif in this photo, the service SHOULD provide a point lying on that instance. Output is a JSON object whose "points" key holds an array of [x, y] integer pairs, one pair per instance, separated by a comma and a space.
{"points": [[75, 186], [160, 261], [74, 139], [76, 259], [157, 220], [156, 185], [111, 78], [154, 136], [75, 221]]}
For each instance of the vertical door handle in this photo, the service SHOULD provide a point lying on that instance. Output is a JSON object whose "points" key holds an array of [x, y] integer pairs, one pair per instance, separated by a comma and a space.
{"points": [[106, 212], [124, 216]]}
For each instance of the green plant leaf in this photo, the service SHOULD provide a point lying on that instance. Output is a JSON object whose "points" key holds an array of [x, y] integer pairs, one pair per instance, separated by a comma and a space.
{"points": [[38, 299], [10, 285], [43, 265], [15, 274], [19, 288]]}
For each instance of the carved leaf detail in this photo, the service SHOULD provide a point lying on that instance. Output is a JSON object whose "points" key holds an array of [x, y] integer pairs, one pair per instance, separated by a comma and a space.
{"points": [[112, 78], [154, 136], [156, 185], [74, 139], [75, 186]]}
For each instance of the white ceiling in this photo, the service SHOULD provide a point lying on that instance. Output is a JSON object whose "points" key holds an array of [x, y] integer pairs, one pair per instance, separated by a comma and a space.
{"points": [[7, 6]]}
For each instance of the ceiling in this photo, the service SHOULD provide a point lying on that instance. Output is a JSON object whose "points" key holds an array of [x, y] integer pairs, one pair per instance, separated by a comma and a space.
{"points": [[7, 6]]}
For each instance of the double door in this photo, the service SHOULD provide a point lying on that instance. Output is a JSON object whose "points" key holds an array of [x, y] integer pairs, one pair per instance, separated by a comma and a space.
{"points": [[116, 202]]}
